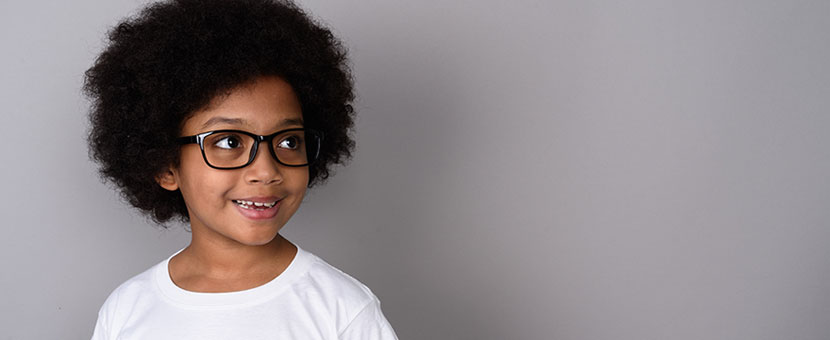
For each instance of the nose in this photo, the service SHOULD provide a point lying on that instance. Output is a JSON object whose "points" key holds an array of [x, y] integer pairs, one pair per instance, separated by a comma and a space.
{"points": [[264, 169]]}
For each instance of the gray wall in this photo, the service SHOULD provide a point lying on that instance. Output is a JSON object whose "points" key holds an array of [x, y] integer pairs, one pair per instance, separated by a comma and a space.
{"points": [[525, 170]]}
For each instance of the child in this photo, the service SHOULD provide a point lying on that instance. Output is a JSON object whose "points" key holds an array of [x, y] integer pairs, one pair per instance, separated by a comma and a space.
{"points": [[221, 113]]}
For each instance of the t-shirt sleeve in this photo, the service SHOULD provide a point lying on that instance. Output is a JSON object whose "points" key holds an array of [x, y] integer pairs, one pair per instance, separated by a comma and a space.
{"points": [[369, 324], [103, 327], [100, 331]]}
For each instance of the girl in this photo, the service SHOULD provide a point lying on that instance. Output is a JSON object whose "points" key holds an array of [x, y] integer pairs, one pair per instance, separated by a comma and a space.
{"points": [[221, 113]]}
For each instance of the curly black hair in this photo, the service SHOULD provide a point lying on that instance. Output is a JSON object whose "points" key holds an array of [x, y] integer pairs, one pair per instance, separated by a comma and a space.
{"points": [[173, 57]]}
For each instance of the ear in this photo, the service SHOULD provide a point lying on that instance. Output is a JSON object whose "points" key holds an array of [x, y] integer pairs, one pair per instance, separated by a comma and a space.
{"points": [[167, 180]]}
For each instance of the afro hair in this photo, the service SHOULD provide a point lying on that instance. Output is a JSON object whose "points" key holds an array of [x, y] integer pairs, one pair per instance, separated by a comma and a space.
{"points": [[173, 57]]}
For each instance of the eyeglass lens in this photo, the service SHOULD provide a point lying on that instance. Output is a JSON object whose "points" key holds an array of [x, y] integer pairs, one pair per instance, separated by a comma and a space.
{"points": [[233, 149]]}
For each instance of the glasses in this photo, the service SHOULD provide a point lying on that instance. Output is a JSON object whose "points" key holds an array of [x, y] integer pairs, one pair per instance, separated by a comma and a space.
{"points": [[234, 149]]}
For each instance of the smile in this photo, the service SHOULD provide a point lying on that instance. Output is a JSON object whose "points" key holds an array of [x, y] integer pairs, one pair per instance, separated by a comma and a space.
{"points": [[254, 205]]}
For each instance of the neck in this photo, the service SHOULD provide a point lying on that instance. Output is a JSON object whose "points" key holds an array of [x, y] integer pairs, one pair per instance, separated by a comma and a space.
{"points": [[237, 260]]}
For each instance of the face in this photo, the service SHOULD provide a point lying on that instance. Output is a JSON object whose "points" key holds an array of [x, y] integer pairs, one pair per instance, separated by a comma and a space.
{"points": [[216, 199]]}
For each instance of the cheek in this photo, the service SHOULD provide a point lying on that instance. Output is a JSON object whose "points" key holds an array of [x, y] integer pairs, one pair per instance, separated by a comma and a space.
{"points": [[297, 180], [302, 178], [201, 184]]}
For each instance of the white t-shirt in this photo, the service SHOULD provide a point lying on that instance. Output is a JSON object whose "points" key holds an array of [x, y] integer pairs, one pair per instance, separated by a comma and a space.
{"points": [[310, 300]]}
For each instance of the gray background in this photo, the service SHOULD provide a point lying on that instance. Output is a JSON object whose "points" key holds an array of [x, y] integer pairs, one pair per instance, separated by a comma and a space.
{"points": [[525, 170]]}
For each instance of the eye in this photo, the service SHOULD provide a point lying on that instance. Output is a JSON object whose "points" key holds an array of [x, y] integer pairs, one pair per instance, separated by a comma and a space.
{"points": [[228, 142], [290, 142]]}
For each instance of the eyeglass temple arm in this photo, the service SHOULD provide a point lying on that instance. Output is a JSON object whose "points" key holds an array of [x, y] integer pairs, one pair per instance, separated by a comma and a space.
{"points": [[188, 140]]}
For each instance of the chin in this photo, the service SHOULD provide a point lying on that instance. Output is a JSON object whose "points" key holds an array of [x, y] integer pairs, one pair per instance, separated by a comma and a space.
{"points": [[257, 239]]}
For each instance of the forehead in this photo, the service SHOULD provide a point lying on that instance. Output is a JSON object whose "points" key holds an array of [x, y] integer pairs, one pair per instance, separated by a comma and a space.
{"points": [[262, 105]]}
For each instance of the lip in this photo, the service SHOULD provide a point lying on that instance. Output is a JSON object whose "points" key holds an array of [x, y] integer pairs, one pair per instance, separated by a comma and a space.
{"points": [[259, 214]]}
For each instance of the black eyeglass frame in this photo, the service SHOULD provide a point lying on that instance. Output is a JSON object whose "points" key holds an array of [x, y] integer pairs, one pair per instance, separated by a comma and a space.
{"points": [[200, 138]]}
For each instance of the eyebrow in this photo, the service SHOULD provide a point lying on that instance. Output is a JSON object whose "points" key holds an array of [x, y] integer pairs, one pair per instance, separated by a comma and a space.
{"points": [[239, 121]]}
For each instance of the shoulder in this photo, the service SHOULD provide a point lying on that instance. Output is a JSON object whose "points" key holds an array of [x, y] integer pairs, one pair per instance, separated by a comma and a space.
{"points": [[328, 280], [121, 301], [333, 292], [131, 292], [357, 313]]}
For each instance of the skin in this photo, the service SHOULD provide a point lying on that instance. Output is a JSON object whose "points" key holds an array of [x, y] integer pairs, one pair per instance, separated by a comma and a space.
{"points": [[228, 251]]}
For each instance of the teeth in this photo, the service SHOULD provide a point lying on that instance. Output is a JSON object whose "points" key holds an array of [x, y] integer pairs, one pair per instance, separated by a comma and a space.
{"points": [[251, 204]]}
